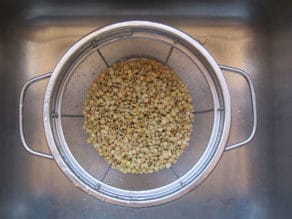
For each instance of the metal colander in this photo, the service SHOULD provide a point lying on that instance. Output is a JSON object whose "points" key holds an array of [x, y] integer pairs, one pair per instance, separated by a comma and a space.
{"points": [[67, 90]]}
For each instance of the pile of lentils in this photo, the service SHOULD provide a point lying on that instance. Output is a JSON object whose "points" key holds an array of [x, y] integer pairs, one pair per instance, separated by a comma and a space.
{"points": [[138, 115]]}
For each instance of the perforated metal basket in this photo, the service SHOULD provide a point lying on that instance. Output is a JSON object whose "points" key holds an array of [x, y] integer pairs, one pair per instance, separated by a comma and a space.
{"points": [[67, 90]]}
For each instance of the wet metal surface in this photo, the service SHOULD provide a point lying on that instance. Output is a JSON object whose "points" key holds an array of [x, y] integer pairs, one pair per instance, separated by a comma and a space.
{"points": [[248, 182]]}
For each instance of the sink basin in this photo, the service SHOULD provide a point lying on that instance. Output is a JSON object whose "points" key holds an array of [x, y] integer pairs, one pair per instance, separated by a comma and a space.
{"points": [[253, 181]]}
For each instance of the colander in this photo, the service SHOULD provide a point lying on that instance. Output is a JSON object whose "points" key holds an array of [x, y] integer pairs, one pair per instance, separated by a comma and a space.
{"points": [[67, 89]]}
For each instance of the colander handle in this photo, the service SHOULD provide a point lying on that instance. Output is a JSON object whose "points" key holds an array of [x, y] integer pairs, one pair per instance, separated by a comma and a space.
{"points": [[21, 100], [247, 78]]}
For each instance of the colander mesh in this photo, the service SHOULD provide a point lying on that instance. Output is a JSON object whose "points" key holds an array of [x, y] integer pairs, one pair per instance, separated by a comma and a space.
{"points": [[80, 82]]}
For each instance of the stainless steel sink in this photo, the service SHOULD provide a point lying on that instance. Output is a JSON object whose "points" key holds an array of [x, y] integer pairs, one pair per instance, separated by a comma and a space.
{"points": [[253, 181]]}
